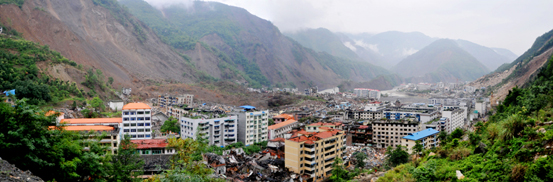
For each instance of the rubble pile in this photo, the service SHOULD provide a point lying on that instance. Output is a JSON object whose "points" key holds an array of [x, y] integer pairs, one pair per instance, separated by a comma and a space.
{"points": [[235, 165], [8, 172], [375, 157]]}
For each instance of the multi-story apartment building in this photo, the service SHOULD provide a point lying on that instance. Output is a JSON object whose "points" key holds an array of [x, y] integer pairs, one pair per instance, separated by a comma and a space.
{"points": [[421, 114], [165, 101], [218, 131], [428, 138], [280, 129], [389, 132], [367, 92], [252, 125], [153, 147], [137, 121], [359, 135], [364, 115], [311, 154], [456, 119], [176, 112], [110, 140]]}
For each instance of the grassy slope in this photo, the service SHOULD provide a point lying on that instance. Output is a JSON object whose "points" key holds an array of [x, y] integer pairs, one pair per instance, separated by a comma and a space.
{"points": [[513, 140]]}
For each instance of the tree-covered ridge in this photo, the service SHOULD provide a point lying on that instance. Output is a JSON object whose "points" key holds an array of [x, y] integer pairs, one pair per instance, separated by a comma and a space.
{"points": [[511, 146], [19, 71]]}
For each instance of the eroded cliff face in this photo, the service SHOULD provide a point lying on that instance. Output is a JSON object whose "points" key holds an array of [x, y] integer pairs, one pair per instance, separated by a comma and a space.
{"points": [[90, 35]]}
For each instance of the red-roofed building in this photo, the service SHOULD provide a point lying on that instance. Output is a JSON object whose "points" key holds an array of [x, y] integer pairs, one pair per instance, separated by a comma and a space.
{"points": [[153, 147], [111, 139], [282, 128], [311, 154]]}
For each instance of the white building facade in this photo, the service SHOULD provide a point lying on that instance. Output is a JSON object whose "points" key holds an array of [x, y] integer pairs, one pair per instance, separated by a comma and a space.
{"points": [[218, 131], [137, 120], [456, 119], [252, 125]]}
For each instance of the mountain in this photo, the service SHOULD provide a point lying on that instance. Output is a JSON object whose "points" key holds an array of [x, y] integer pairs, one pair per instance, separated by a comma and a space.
{"points": [[98, 34], [490, 57], [519, 72], [248, 45], [322, 39], [506, 53], [393, 46], [443, 60]]}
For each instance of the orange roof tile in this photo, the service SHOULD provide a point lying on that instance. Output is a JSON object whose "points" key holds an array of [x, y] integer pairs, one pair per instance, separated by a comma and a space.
{"points": [[282, 124], [137, 105], [91, 120], [85, 128]]}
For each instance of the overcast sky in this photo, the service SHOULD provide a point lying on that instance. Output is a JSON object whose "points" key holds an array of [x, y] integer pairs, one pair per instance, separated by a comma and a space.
{"points": [[493, 23]]}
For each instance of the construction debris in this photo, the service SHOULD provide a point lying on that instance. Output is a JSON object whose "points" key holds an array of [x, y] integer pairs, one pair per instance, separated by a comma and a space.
{"points": [[235, 165], [375, 158]]}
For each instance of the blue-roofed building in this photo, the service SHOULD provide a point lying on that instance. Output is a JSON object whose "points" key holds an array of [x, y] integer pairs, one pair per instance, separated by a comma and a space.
{"points": [[428, 138], [247, 107]]}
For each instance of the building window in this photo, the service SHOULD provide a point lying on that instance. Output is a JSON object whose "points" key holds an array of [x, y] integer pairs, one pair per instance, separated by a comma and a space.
{"points": [[125, 113], [133, 136], [126, 130], [147, 118], [125, 119], [140, 119], [133, 124], [126, 124], [140, 130], [140, 124], [133, 119], [147, 129], [140, 136], [146, 112], [146, 124], [147, 135], [133, 130], [133, 113]]}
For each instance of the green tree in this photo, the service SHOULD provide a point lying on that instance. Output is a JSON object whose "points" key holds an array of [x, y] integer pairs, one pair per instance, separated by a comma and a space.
{"points": [[74, 105], [171, 124], [271, 122], [396, 156], [457, 133], [126, 164], [110, 80], [42, 150], [360, 157], [417, 149], [339, 172], [97, 103]]}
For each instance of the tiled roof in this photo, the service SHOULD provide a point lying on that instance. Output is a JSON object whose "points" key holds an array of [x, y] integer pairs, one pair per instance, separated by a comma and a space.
{"points": [[326, 124], [150, 143], [314, 136], [91, 120], [421, 134], [282, 124], [86, 128], [278, 140], [137, 105]]}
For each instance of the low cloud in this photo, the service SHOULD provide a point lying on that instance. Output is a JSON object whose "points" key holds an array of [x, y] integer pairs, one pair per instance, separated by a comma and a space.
{"points": [[350, 46], [410, 51]]}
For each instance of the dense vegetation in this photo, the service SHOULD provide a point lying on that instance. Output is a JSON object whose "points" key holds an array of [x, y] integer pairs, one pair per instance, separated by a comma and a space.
{"points": [[16, 2], [510, 146], [56, 154], [19, 71]]}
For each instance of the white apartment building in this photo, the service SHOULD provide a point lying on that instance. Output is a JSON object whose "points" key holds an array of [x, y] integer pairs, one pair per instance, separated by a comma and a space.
{"points": [[218, 131], [137, 121], [280, 129], [176, 112], [481, 107], [252, 125], [456, 119], [367, 92], [390, 133], [165, 101]]}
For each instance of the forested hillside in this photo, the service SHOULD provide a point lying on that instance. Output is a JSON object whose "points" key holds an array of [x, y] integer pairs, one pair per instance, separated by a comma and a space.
{"points": [[513, 145], [251, 46]]}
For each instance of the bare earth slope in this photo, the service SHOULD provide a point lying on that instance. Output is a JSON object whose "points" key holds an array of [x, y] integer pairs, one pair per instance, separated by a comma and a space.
{"points": [[90, 35]]}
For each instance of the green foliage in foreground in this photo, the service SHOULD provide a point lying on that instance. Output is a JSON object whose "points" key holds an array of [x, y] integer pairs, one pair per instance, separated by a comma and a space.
{"points": [[509, 147], [26, 142], [16, 2]]}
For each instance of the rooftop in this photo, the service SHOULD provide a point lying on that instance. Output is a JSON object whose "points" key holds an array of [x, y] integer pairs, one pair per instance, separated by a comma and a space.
{"points": [[86, 128], [150, 143], [247, 107], [285, 116], [310, 137], [91, 120], [137, 105], [325, 124], [421, 134], [279, 125]]}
